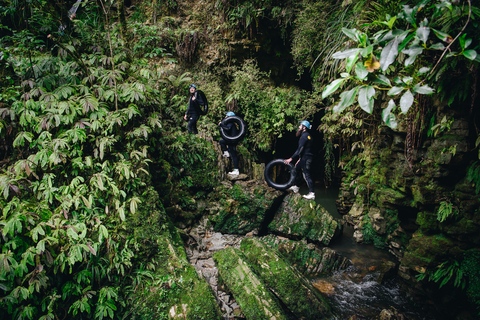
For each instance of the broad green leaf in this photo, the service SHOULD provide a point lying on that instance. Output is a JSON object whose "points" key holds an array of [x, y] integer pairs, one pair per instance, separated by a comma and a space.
{"points": [[445, 37], [395, 90], [332, 87], [408, 14], [346, 53], [351, 62], [21, 137], [423, 31], [347, 99], [437, 46], [423, 89], [470, 54], [388, 117], [366, 51], [413, 52], [361, 71], [351, 33], [365, 98], [382, 79], [406, 101], [389, 53]]}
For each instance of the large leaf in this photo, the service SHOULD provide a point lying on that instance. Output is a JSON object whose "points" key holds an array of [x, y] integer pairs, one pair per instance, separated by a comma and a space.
{"points": [[389, 53], [346, 53], [413, 52], [445, 37], [423, 89], [395, 90], [347, 99], [470, 54], [365, 98], [332, 87], [388, 117], [361, 71], [351, 62], [382, 79], [422, 33], [351, 33], [406, 101]]}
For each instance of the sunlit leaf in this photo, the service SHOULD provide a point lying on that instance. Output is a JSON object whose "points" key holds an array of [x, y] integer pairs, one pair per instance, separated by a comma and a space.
{"points": [[347, 99], [406, 101], [394, 91], [346, 53], [365, 98], [361, 71], [423, 89], [470, 54], [332, 87], [389, 53], [388, 117]]}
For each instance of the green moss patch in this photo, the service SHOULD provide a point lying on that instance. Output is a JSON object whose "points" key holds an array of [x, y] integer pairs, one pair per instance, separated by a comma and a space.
{"points": [[255, 299], [304, 219], [298, 295]]}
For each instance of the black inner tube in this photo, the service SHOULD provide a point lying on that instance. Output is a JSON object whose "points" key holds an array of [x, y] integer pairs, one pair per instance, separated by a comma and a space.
{"points": [[279, 175], [241, 129]]}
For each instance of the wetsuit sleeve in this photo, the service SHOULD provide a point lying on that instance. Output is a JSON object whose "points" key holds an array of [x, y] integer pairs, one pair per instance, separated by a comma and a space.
{"points": [[301, 146]]}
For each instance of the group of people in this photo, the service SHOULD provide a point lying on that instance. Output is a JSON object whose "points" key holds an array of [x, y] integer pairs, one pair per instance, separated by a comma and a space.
{"points": [[303, 156]]}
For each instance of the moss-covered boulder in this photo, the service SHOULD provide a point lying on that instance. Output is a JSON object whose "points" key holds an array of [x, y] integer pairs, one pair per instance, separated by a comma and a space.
{"points": [[255, 299], [244, 206], [295, 292], [171, 285], [307, 258], [303, 219]]}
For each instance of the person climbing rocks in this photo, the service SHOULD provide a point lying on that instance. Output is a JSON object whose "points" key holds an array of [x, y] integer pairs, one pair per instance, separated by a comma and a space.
{"points": [[194, 110], [229, 149], [305, 155]]}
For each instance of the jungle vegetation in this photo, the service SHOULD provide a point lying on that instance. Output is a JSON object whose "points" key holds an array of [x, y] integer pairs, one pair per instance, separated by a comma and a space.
{"points": [[91, 108]]}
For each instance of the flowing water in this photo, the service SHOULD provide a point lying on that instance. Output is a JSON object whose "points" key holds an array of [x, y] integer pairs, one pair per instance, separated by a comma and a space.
{"points": [[356, 290]]}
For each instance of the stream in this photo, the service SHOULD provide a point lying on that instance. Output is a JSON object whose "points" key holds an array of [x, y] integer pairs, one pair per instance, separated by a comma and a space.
{"points": [[355, 292]]}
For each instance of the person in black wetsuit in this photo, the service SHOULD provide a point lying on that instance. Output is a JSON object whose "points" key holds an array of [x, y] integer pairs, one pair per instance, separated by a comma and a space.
{"points": [[194, 110], [229, 148], [305, 155]]}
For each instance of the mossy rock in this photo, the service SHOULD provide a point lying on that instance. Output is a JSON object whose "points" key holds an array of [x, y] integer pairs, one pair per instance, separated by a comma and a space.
{"points": [[426, 250], [244, 208], [250, 292], [307, 258], [302, 218], [175, 288], [295, 292]]}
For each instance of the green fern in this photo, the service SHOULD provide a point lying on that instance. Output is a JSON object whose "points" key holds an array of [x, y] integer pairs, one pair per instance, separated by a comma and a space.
{"points": [[446, 210]]}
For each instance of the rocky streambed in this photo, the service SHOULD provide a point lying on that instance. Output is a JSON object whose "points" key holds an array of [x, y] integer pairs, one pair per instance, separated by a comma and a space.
{"points": [[277, 263]]}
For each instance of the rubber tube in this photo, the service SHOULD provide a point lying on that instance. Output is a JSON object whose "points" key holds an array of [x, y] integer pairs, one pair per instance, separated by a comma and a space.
{"points": [[241, 129], [274, 184]]}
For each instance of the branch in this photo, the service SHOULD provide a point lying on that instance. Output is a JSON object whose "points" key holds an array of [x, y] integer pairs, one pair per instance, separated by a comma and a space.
{"points": [[458, 35]]}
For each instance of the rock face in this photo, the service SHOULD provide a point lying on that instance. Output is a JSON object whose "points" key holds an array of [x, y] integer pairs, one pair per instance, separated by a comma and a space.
{"points": [[419, 202], [307, 258], [243, 206], [256, 271], [295, 292], [303, 219], [256, 301]]}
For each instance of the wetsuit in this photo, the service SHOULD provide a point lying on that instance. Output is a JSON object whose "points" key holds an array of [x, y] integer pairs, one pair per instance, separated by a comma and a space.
{"points": [[193, 112], [231, 130], [304, 151]]}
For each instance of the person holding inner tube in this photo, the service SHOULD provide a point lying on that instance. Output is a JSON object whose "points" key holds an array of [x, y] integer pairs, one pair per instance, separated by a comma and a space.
{"points": [[193, 112], [230, 148], [305, 155]]}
